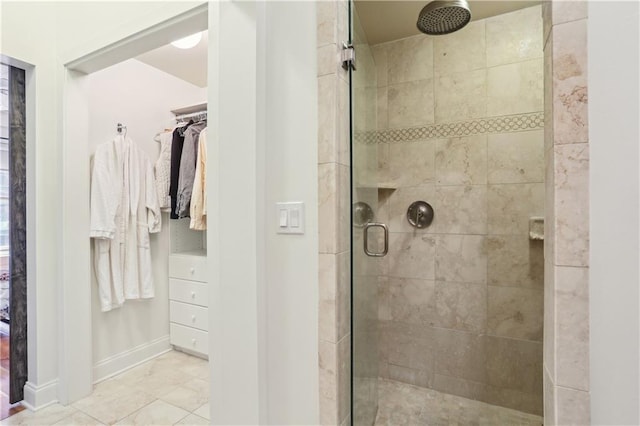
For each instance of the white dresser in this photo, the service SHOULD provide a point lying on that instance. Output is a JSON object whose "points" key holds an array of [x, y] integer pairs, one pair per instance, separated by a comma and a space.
{"points": [[188, 293]]}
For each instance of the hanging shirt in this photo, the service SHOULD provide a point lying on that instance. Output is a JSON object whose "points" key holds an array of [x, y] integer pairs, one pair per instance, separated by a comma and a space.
{"points": [[188, 168], [163, 170], [177, 144], [199, 195], [124, 210]]}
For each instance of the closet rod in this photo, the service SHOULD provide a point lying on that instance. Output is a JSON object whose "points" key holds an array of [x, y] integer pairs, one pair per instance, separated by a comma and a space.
{"points": [[198, 116]]}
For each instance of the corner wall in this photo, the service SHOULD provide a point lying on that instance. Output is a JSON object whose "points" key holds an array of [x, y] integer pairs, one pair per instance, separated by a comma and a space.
{"points": [[566, 333]]}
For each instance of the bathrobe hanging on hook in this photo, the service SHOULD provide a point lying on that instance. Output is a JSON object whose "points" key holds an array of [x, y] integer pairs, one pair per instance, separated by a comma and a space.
{"points": [[124, 210]]}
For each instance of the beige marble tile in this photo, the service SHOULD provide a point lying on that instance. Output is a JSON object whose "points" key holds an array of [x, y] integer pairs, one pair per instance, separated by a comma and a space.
{"points": [[460, 354], [461, 209], [411, 256], [461, 258], [572, 204], [327, 59], [412, 163], [343, 138], [460, 96], [514, 37], [515, 260], [401, 199], [572, 327], [327, 119], [460, 387], [326, 15], [547, 23], [514, 364], [515, 88], [46, 416], [410, 59], [412, 301], [204, 411], [526, 403], [570, 92], [408, 345], [461, 161], [573, 407], [189, 396], [381, 59], [515, 312], [411, 104], [328, 379], [343, 302], [156, 413], [383, 110], [516, 157], [192, 419], [328, 278], [334, 210], [461, 306], [344, 378], [463, 50], [548, 95], [411, 376], [510, 206], [549, 398], [78, 419], [568, 10], [117, 403], [549, 317]]}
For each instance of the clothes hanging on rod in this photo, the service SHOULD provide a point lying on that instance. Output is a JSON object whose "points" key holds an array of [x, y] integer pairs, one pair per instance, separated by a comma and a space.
{"points": [[188, 168], [199, 195], [177, 144], [163, 170], [124, 210]]}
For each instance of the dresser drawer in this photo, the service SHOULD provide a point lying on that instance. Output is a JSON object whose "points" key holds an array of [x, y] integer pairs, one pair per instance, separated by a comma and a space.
{"points": [[188, 267], [189, 338], [189, 315], [188, 292]]}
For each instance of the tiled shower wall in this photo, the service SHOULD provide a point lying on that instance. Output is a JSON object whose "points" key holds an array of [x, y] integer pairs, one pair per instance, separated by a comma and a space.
{"points": [[461, 302]]}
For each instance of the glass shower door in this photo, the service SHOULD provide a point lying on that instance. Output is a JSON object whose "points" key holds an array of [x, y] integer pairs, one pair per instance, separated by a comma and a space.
{"points": [[367, 233]]}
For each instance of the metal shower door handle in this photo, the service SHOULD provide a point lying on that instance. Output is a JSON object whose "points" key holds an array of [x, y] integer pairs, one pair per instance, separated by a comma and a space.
{"points": [[366, 239]]}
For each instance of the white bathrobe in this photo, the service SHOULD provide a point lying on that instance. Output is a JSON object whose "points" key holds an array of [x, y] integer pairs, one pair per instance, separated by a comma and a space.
{"points": [[124, 210]]}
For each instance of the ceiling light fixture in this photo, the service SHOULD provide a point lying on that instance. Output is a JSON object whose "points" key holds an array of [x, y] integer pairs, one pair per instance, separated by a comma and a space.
{"points": [[188, 42]]}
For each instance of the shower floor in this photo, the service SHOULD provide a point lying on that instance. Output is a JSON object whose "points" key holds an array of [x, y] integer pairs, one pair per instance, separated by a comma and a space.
{"points": [[403, 404]]}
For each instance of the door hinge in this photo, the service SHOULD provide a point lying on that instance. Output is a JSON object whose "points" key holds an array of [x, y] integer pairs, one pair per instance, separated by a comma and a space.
{"points": [[348, 56]]}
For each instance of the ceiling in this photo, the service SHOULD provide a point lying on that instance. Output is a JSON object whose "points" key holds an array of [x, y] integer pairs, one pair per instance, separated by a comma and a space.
{"points": [[394, 19], [187, 64]]}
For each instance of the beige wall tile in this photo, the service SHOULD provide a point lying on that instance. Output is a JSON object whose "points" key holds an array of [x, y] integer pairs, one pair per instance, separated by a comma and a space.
{"points": [[344, 378], [461, 258], [408, 345], [549, 399], [343, 127], [461, 387], [546, 22], [515, 260], [461, 209], [572, 406], [461, 161], [343, 295], [328, 207], [510, 206], [570, 98], [516, 157], [327, 359], [524, 402], [514, 364], [410, 59], [568, 10], [412, 301], [412, 163], [411, 104], [548, 95], [460, 354], [411, 256], [463, 50], [381, 60], [514, 37], [461, 306], [344, 212], [572, 204], [383, 111], [412, 376], [461, 96], [327, 59], [549, 317], [515, 312], [328, 278], [572, 327], [327, 119], [515, 88], [327, 22]]}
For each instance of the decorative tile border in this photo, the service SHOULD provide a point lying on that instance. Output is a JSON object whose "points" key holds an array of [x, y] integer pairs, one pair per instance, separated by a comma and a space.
{"points": [[501, 124]]}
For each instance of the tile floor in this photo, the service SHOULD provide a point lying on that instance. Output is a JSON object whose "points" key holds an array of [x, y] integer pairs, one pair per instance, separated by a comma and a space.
{"points": [[170, 389], [403, 404]]}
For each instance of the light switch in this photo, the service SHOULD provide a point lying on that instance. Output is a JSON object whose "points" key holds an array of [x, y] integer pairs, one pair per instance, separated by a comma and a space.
{"points": [[284, 215], [290, 217]]}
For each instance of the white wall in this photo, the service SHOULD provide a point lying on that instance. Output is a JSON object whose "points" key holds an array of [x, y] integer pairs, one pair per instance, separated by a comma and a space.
{"points": [[614, 67], [141, 97]]}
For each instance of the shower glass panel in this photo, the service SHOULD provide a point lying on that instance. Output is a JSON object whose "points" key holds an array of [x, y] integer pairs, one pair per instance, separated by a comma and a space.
{"points": [[364, 201]]}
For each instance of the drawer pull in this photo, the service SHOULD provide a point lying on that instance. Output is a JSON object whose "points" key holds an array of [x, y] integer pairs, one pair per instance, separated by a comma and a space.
{"points": [[193, 294], [192, 270], [193, 342], [193, 318]]}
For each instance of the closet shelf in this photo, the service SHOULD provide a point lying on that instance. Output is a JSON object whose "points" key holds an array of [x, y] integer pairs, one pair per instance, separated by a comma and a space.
{"points": [[190, 109], [199, 252]]}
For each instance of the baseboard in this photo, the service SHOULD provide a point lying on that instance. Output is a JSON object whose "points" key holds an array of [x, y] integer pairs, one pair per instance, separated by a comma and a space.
{"points": [[37, 397], [123, 361]]}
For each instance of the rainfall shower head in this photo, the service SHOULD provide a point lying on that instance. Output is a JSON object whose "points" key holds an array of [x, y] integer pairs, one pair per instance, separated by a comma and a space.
{"points": [[443, 17]]}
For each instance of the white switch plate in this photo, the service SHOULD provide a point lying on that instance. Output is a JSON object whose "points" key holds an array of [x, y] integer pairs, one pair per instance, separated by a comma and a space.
{"points": [[295, 210]]}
